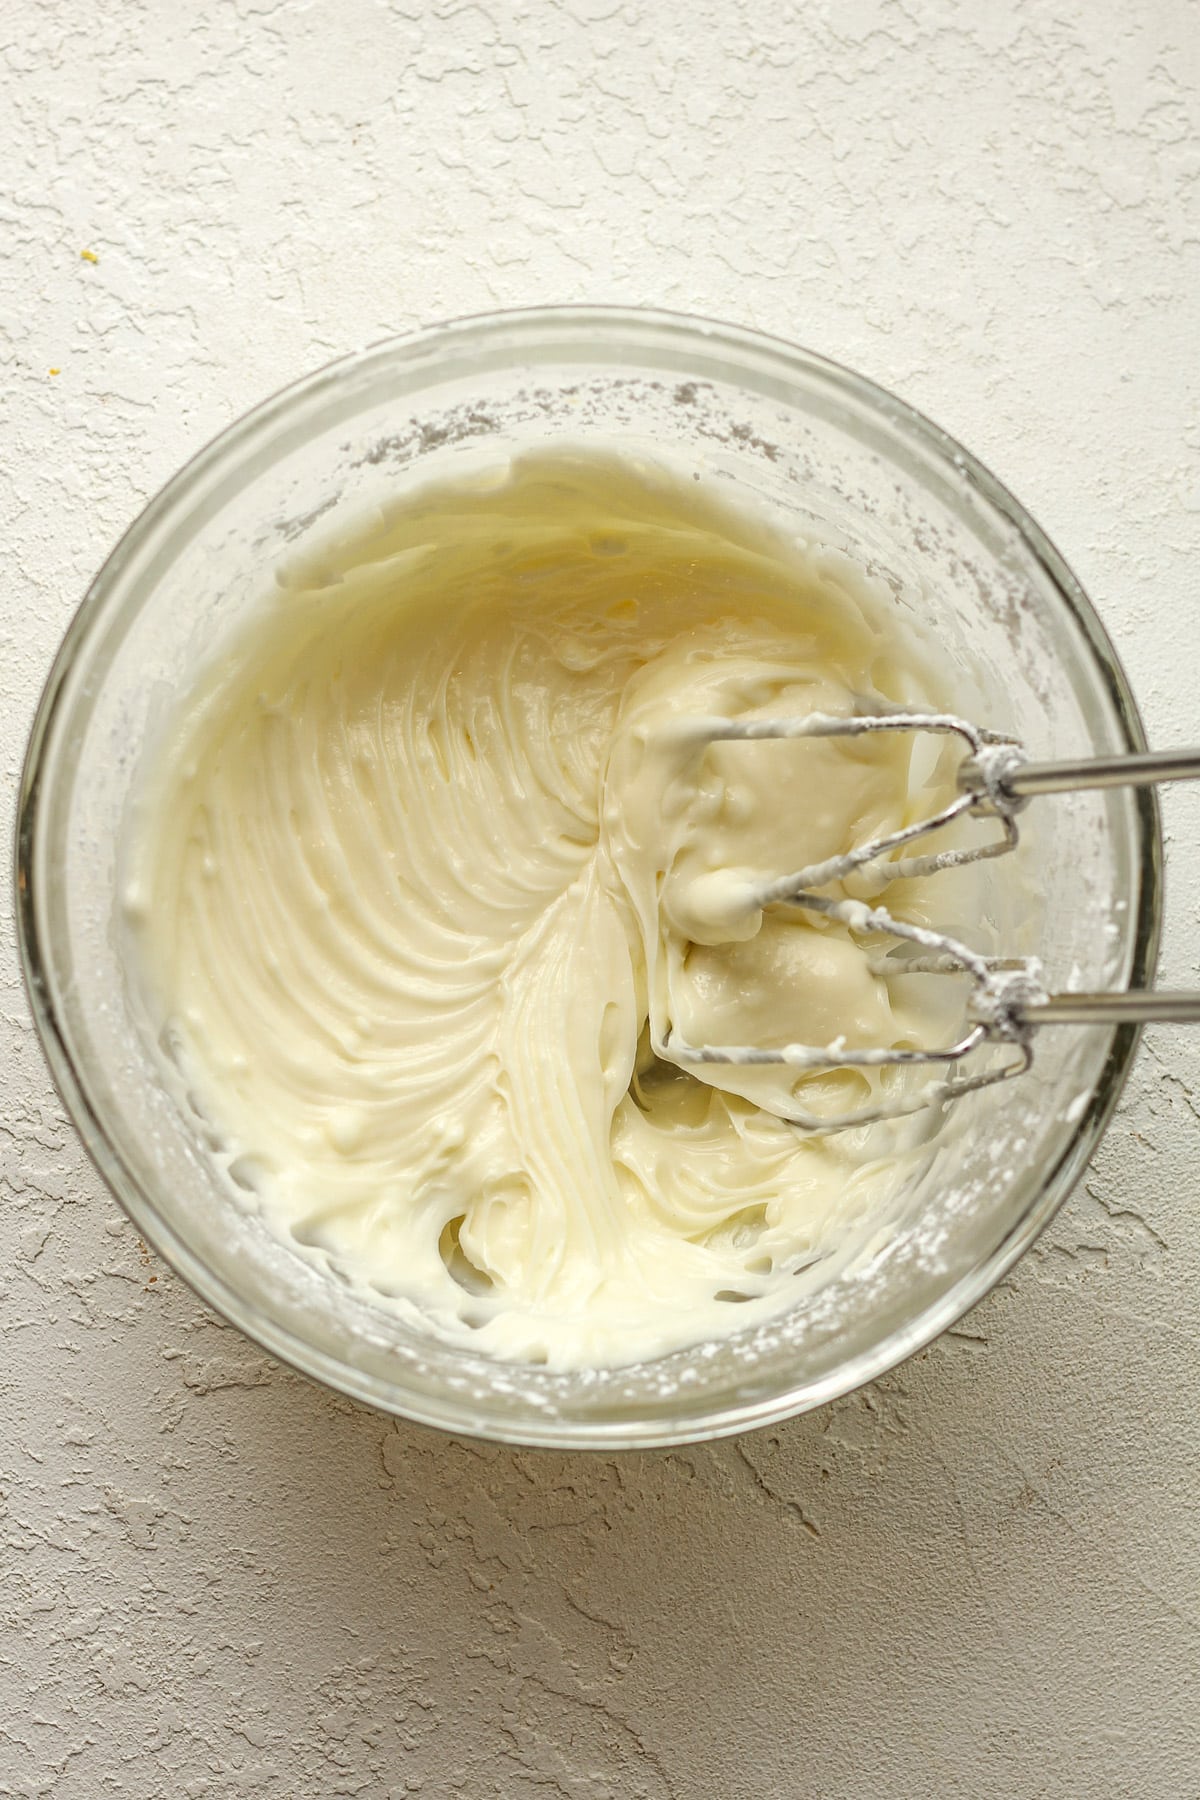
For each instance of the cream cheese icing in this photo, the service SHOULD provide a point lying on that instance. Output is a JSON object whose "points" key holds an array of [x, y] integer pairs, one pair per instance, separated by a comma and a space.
{"points": [[430, 858]]}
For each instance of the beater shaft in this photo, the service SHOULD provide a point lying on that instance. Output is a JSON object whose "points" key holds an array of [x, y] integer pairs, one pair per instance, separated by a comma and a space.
{"points": [[1132, 1006], [1022, 780]]}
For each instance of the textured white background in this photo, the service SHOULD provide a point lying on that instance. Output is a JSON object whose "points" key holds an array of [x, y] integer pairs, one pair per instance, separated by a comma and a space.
{"points": [[981, 1576]]}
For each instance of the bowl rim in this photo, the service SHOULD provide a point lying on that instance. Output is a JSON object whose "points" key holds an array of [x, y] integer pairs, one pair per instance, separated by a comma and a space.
{"points": [[533, 325]]}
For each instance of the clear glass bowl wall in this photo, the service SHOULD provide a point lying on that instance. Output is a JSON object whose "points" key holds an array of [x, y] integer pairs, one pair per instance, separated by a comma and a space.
{"points": [[847, 463]]}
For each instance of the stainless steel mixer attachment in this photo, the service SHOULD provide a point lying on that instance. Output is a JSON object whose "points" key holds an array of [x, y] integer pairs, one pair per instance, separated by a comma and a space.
{"points": [[1007, 1000]]}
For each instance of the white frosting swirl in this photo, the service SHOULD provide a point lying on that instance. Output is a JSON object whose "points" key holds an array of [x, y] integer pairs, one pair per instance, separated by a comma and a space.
{"points": [[431, 856]]}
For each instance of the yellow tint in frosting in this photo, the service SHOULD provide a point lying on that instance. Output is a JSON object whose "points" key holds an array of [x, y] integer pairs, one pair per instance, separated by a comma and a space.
{"points": [[423, 869]]}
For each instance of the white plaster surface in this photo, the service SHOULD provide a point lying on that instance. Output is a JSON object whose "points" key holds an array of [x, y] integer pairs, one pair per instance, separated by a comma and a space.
{"points": [[980, 1576]]}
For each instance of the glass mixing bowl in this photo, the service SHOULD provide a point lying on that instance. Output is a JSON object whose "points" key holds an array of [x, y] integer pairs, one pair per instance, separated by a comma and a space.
{"points": [[845, 462]]}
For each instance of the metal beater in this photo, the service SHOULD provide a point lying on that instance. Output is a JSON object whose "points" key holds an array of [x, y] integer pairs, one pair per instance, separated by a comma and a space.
{"points": [[1008, 1002]]}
